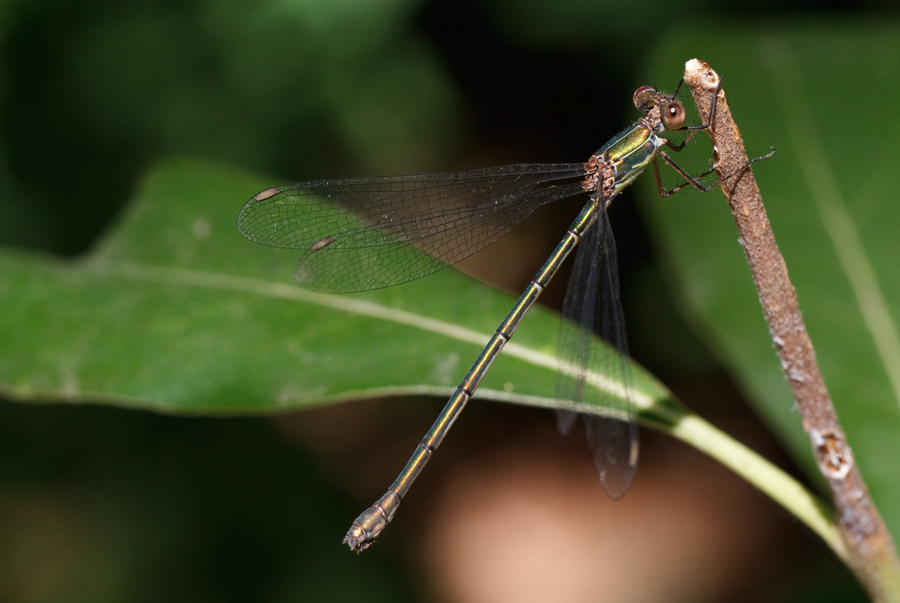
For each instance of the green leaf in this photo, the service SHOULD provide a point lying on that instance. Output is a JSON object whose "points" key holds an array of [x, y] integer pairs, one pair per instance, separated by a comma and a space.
{"points": [[823, 98], [176, 312]]}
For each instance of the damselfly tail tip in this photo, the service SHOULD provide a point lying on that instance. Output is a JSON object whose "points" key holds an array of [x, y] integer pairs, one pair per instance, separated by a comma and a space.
{"points": [[357, 539], [371, 522]]}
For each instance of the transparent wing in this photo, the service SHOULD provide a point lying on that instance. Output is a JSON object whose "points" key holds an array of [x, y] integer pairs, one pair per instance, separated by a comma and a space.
{"points": [[591, 306], [367, 233]]}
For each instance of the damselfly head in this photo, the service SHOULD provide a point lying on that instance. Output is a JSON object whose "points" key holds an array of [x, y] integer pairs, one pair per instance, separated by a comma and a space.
{"points": [[670, 110]]}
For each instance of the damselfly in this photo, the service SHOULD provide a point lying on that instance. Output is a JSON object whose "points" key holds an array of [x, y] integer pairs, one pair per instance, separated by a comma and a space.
{"points": [[367, 233]]}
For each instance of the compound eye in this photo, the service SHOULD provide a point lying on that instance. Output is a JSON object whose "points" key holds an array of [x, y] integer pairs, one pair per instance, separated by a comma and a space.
{"points": [[645, 98], [673, 116]]}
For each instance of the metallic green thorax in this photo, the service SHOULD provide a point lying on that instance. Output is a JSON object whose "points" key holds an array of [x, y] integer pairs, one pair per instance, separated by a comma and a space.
{"points": [[617, 163]]}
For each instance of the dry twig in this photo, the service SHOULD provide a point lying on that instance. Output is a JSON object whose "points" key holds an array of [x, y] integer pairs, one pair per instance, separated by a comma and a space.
{"points": [[870, 549]]}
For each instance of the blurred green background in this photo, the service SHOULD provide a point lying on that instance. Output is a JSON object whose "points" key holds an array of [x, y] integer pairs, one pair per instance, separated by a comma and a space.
{"points": [[103, 504]]}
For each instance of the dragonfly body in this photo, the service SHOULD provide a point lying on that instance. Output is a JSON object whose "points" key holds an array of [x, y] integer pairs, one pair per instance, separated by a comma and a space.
{"points": [[365, 233]]}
